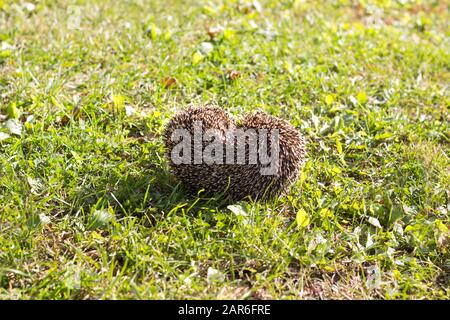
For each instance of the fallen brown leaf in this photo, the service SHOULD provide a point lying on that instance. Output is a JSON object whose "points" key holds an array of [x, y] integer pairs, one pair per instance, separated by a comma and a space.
{"points": [[233, 74], [168, 82], [213, 31]]}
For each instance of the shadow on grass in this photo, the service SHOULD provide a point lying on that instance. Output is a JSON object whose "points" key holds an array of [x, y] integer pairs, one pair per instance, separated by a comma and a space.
{"points": [[152, 192]]}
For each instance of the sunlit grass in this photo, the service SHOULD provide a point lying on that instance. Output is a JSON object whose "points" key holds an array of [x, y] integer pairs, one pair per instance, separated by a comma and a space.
{"points": [[89, 210]]}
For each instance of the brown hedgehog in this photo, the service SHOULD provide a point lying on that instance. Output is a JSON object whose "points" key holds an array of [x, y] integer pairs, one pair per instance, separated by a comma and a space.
{"points": [[259, 158]]}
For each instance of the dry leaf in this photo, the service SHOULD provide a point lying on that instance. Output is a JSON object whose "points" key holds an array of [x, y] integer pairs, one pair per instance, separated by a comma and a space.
{"points": [[169, 82], [213, 31], [233, 74]]}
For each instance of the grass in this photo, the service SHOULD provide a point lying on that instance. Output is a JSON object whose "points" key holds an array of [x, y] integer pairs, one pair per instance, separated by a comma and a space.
{"points": [[89, 210]]}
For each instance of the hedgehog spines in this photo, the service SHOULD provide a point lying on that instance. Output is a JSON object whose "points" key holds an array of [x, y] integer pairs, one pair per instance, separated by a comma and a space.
{"points": [[237, 180]]}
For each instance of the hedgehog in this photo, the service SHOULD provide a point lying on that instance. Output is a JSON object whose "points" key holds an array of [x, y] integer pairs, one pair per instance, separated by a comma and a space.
{"points": [[235, 167], [193, 176]]}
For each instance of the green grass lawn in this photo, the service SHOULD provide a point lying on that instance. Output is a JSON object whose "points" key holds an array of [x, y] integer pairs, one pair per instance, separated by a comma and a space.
{"points": [[89, 210]]}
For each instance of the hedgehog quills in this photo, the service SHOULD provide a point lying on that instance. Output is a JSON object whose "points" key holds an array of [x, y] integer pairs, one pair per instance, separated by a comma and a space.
{"points": [[258, 158]]}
